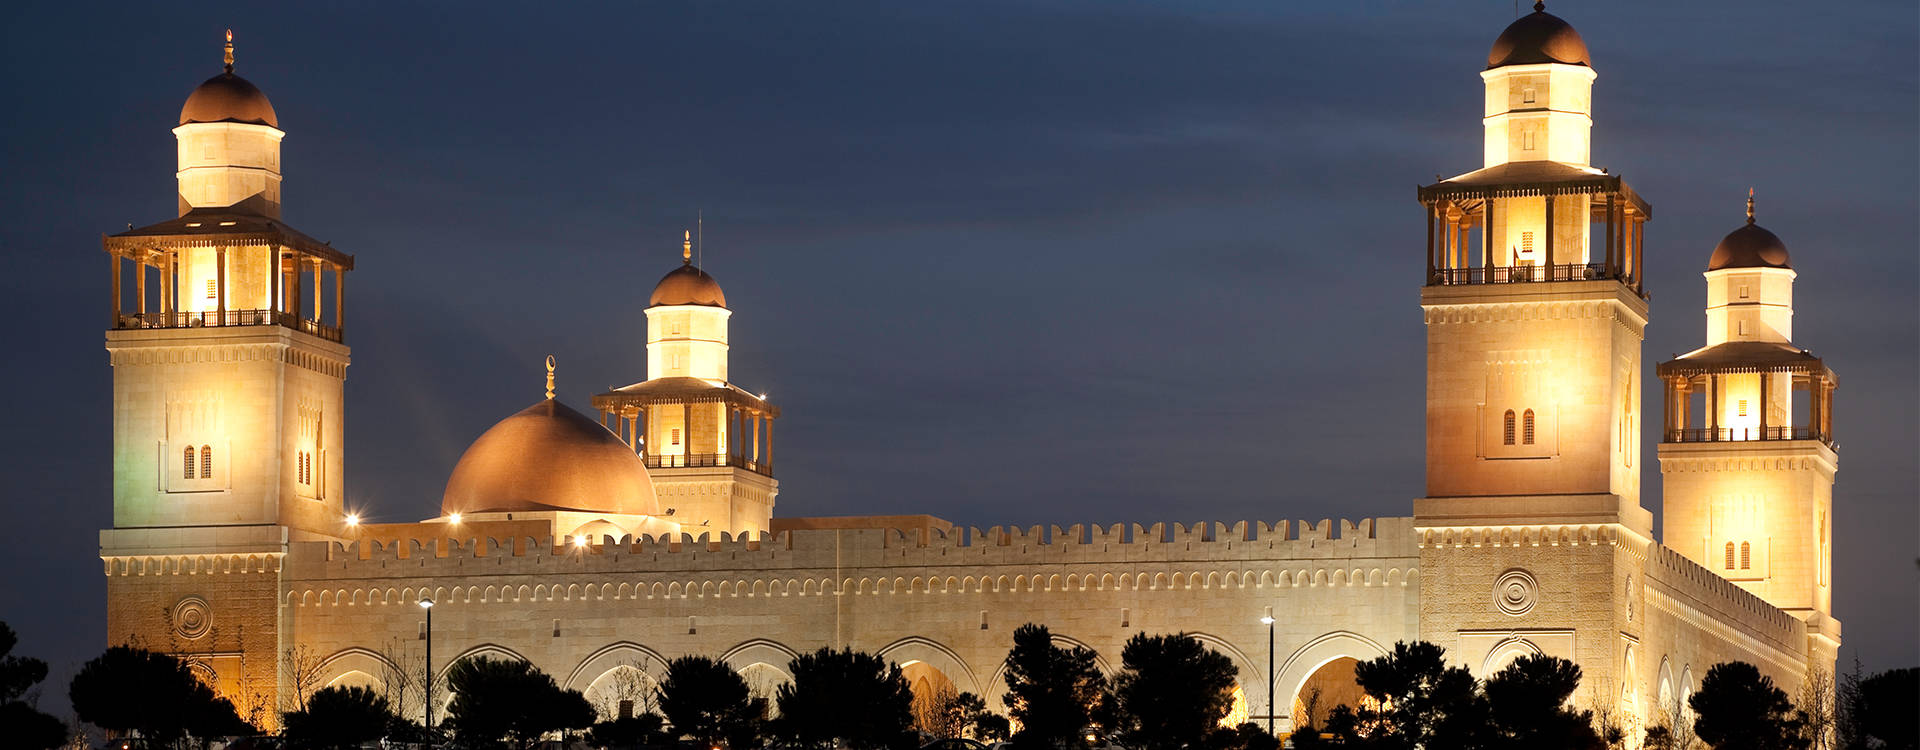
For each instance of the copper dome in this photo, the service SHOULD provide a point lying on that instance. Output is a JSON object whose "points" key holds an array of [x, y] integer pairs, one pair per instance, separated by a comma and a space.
{"points": [[1749, 247], [687, 285], [1538, 37], [228, 98], [549, 457]]}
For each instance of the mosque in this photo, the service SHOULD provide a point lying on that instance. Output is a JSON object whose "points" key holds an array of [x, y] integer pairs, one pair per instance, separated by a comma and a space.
{"points": [[598, 544]]}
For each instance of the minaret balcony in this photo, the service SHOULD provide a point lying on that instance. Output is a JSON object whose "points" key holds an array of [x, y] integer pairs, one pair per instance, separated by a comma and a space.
{"points": [[1524, 273], [220, 319], [706, 460], [1741, 434]]}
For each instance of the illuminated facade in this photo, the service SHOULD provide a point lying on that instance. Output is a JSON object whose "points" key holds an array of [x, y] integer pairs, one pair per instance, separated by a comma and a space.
{"points": [[648, 532]]}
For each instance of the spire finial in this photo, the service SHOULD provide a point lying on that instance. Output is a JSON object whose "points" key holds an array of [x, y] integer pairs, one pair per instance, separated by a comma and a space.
{"points": [[229, 50], [549, 376], [686, 247], [1540, 6], [1749, 205]]}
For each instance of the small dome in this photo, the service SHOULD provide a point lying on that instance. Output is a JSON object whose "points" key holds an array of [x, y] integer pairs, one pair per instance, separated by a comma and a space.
{"points": [[228, 98], [1749, 247], [549, 457], [1538, 37], [688, 285]]}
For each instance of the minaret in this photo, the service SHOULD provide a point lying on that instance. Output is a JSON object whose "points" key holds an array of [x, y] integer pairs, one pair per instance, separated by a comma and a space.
{"points": [[1747, 460], [229, 360], [707, 442], [1531, 526]]}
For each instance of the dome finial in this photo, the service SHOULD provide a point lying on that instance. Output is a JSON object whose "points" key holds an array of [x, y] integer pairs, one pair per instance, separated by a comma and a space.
{"points": [[686, 247], [229, 56], [1749, 205], [1540, 6], [549, 376]]}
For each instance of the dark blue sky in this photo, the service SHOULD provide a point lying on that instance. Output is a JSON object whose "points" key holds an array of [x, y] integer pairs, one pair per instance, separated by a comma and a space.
{"points": [[1046, 262]]}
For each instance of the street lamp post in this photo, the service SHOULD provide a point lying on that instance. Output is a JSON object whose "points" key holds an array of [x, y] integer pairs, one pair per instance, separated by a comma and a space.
{"points": [[427, 604], [1268, 621]]}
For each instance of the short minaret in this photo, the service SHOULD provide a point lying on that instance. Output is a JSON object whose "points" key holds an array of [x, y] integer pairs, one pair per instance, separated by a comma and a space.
{"points": [[1747, 459], [707, 442], [1539, 93]]}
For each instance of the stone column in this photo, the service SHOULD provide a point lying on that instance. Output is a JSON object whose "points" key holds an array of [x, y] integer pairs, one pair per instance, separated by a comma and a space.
{"points": [[1550, 234], [140, 290], [317, 293], [340, 300], [113, 267], [1766, 383], [220, 283], [1486, 247], [1432, 218], [167, 304]]}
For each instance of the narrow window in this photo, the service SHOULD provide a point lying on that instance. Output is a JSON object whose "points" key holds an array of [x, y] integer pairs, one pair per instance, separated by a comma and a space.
{"points": [[1508, 440], [1527, 96], [1526, 139], [1729, 555], [186, 464], [1526, 427], [1746, 556], [206, 462], [212, 288], [1526, 242], [1743, 328], [676, 436], [1743, 407], [1743, 291]]}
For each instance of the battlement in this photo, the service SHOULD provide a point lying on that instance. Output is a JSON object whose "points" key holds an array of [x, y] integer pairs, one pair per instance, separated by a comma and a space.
{"points": [[1722, 599], [1322, 540]]}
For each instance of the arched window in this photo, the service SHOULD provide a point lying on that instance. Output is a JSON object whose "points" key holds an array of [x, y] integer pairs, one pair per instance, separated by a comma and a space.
{"points": [[301, 468], [1526, 427], [206, 462], [1746, 556], [1508, 440], [1729, 555], [186, 463]]}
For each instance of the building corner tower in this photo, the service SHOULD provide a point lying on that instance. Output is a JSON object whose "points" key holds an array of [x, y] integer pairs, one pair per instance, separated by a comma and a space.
{"points": [[1747, 460], [229, 361], [1531, 527], [707, 443]]}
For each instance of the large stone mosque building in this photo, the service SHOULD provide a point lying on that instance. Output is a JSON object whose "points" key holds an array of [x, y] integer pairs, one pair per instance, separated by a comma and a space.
{"points": [[597, 544]]}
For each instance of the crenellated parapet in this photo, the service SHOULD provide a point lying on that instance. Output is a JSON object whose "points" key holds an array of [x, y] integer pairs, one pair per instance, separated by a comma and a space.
{"points": [[1322, 554], [1710, 601]]}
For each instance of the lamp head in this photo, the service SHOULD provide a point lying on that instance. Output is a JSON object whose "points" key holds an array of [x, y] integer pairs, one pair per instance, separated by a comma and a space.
{"points": [[1266, 620], [426, 604]]}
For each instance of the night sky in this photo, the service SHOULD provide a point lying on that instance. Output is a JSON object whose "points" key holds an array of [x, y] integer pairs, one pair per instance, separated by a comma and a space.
{"points": [[1045, 262]]}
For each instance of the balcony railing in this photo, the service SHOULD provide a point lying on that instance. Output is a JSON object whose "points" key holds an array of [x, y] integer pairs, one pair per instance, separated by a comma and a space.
{"points": [[216, 319], [1739, 434], [1522, 274], [701, 460]]}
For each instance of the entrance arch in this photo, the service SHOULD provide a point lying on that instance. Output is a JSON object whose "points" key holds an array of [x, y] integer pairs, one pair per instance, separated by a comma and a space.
{"points": [[1306, 661]]}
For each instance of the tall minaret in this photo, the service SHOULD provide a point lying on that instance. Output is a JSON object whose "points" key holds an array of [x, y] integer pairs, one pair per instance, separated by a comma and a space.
{"points": [[229, 361], [1747, 460], [1531, 524], [708, 443]]}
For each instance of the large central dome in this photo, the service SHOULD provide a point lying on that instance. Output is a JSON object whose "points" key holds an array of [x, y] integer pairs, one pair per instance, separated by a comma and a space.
{"points": [[549, 457]]}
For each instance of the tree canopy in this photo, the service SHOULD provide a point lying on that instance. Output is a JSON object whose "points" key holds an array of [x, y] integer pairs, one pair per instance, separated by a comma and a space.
{"points": [[338, 717], [499, 699], [813, 707], [1737, 707], [1172, 690], [1054, 693], [705, 700], [132, 689], [23, 725], [1527, 705]]}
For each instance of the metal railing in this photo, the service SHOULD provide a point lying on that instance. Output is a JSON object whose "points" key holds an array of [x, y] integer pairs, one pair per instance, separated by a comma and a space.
{"points": [[1522, 274], [1740, 434], [703, 460], [217, 319]]}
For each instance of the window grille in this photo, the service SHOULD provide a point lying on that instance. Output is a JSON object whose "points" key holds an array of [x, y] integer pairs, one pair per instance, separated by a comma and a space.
{"points": [[1743, 407], [676, 436], [1508, 439], [1729, 555], [1526, 242], [206, 462], [1527, 96], [186, 463], [1746, 556], [213, 289], [1527, 427]]}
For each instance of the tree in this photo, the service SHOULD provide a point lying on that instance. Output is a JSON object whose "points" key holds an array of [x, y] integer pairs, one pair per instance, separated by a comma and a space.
{"points": [[633, 731], [1737, 707], [825, 682], [132, 689], [1527, 704], [23, 725], [1245, 736], [1172, 690], [495, 699], [339, 717], [300, 666], [1816, 702], [705, 700], [1423, 703], [1886, 706], [1053, 692]]}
